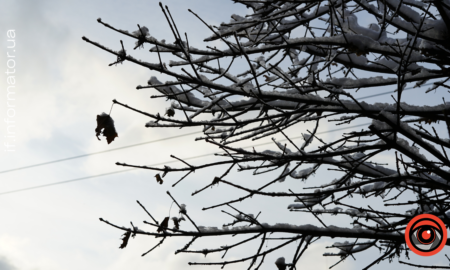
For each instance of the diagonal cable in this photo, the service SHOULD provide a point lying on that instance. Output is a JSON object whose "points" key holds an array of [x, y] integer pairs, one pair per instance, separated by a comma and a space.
{"points": [[160, 163], [169, 138], [95, 153]]}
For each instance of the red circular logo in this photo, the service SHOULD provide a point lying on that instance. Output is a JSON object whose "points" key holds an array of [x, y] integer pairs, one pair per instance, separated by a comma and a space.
{"points": [[426, 235]]}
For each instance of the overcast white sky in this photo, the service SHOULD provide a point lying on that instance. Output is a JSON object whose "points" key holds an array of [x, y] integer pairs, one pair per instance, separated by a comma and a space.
{"points": [[62, 83]]}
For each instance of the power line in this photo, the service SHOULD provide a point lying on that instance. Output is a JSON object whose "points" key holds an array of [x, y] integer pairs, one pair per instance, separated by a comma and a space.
{"points": [[95, 153], [385, 93], [161, 163], [169, 138], [92, 176], [62, 182]]}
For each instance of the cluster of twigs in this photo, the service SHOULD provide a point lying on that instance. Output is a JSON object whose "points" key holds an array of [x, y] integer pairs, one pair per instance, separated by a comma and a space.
{"points": [[305, 60]]}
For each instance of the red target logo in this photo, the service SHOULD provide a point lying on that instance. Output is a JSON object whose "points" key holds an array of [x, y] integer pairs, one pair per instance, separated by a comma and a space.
{"points": [[426, 235]]}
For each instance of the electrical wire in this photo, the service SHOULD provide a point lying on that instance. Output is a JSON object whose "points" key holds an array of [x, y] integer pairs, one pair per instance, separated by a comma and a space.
{"points": [[169, 138], [161, 163], [95, 153], [167, 162]]}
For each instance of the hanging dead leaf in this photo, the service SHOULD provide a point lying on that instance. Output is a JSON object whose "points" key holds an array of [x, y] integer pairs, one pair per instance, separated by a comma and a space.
{"points": [[170, 112], [280, 263], [164, 224], [334, 64], [176, 223], [427, 120], [105, 122], [126, 237], [267, 78], [159, 179], [183, 209]]}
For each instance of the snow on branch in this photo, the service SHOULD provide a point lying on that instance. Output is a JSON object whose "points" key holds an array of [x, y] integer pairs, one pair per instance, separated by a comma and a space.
{"points": [[289, 71]]}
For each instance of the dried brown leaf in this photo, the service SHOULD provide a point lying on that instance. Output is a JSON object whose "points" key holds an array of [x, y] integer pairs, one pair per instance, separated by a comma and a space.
{"points": [[105, 122], [427, 120], [280, 263], [159, 179], [170, 112], [164, 224], [176, 223], [126, 237]]}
